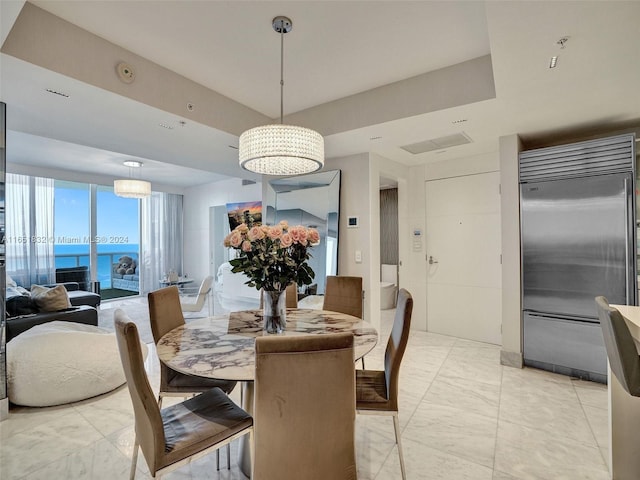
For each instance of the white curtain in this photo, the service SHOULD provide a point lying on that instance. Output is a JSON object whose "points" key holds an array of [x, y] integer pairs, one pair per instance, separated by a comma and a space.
{"points": [[161, 242], [29, 228]]}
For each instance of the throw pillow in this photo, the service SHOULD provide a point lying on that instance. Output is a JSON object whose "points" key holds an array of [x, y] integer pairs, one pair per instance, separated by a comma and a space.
{"points": [[50, 299], [19, 302]]}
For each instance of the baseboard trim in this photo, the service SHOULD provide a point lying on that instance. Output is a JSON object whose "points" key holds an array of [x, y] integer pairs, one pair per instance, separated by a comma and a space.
{"points": [[511, 359]]}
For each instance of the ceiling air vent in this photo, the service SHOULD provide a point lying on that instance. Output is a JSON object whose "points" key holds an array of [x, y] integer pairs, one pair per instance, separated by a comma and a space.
{"points": [[438, 143]]}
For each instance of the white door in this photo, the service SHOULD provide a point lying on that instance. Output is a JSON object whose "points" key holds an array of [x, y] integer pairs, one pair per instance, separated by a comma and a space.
{"points": [[463, 247]]}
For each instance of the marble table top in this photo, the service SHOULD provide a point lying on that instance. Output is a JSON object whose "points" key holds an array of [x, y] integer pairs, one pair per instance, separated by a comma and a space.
{"points": [[222, 346]]}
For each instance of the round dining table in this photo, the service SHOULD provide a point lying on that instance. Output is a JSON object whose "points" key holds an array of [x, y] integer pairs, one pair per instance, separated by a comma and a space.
{"points": [[223, 347]]}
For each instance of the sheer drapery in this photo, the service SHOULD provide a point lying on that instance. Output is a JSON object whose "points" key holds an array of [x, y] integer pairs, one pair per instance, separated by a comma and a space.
{"points": [[29, 228], [161, 239]]}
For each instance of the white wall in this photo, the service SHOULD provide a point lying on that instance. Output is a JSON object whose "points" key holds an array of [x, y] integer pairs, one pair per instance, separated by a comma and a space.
{"points": [[360, 197], [413, 274], [511, 353], [197, 201], [355, 202]]}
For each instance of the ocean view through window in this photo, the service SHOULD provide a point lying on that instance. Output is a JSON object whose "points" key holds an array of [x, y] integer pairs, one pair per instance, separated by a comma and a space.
{"points": [[110, 224]]}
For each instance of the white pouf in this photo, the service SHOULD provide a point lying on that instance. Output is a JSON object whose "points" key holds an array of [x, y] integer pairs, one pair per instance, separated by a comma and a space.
{"points": [[62, 362]]}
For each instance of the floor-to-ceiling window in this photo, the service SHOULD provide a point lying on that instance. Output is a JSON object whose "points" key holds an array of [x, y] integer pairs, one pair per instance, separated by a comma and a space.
{"points": [[117, 243], [97, 232]]}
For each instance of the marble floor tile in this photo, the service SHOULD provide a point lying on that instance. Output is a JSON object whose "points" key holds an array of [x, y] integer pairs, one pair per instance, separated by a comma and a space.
{"points": [[99, 460], [598, 419], [465, 394], [30, 450], [108, 412], [472, 369], [528, 453], [498, 475], [454, 431], [425, 463], [547, 413], [374, 443], [591, 393], [26, 418]]}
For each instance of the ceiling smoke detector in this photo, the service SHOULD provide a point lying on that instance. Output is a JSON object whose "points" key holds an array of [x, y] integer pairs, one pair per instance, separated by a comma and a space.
{"points": [[125, 72]]}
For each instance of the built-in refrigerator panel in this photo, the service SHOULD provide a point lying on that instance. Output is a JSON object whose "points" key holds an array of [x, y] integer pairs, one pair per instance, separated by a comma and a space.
{"points": [[576, 238], [577, 206]]}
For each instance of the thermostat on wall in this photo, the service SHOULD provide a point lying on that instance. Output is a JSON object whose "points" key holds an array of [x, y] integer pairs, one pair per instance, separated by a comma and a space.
{"points": [[352, 222]]}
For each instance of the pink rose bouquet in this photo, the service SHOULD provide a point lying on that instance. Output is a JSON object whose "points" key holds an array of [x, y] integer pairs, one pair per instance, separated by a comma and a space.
{"points": [[273, 256]]}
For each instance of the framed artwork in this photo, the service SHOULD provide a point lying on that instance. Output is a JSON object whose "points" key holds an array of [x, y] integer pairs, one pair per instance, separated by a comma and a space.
{"points": [[244, 212]]}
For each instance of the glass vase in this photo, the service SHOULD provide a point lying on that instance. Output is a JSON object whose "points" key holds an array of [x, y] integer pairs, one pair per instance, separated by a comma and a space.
{"points": [[274, 311]]}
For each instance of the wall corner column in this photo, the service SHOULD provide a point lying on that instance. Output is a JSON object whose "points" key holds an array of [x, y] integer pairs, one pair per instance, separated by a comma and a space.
{"points": [[511, 353]]}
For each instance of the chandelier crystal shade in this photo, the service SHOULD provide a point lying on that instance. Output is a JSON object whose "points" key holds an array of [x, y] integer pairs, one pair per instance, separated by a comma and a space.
{"points": [[129, 188], [280, 149]]}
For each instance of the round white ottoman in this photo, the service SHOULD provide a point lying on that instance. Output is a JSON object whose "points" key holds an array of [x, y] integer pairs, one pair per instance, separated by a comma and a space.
{"points": [[62, 362]]}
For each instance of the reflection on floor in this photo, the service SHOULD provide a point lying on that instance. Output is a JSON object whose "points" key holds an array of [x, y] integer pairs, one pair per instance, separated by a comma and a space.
{"points": [[463, 416]]}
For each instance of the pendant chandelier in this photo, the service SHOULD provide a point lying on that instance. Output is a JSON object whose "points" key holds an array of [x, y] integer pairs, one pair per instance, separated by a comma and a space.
{"points": [[280, 149], [130, 187]]}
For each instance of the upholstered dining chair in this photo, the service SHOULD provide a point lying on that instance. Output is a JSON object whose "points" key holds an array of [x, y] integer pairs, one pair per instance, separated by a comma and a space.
{"points": [[621, 349], [203, 296], [377, 390], [304, 407], [165, 314], [176, 435], [291, 296], [344, 294]]}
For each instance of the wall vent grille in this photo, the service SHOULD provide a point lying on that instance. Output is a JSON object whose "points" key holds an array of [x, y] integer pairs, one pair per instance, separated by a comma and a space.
{"points": [[439, 143]]}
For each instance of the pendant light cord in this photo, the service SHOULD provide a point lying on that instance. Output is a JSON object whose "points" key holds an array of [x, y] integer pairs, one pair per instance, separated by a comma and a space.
{"points": [[282, 32]]}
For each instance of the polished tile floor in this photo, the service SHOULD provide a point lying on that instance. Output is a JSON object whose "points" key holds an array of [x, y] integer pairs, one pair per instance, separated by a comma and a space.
{"points": [[463, 416]]}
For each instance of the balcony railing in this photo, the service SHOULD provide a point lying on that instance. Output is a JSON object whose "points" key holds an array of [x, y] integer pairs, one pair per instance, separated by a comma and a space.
{"points": [[105, 263]]}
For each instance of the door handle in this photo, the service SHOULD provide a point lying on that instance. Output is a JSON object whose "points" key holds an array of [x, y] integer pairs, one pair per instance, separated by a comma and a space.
{"points": [[431, 260]]}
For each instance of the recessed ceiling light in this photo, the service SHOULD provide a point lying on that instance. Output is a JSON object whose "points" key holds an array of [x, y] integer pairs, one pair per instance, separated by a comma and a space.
{"points": [[55, 92], [132, 163], [553, 62], [164, 125]]}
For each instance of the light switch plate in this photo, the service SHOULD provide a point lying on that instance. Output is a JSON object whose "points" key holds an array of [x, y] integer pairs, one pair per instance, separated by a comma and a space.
{"points": [[358, 256]]}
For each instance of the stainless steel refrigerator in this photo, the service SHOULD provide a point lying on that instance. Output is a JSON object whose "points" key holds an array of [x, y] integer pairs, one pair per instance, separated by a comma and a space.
{"points": [[578, 233]]}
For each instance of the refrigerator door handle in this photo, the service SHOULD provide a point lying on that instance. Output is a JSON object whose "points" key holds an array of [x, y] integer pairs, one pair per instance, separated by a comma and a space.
{"points": [[626, 233]]}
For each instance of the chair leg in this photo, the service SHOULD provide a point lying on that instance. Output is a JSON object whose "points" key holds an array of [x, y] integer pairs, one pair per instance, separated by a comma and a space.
{"points": [[134, 459], [228, 456], [362, 360], [218, 460], [396, 427]]}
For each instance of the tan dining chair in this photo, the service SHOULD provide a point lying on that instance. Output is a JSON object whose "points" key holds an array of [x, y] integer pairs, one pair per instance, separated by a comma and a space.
{"points": [[291, 296], [176, 435], [165, 314], [202, 296], [377, 390], [344, 294], [304, 407], [621, 349]]}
